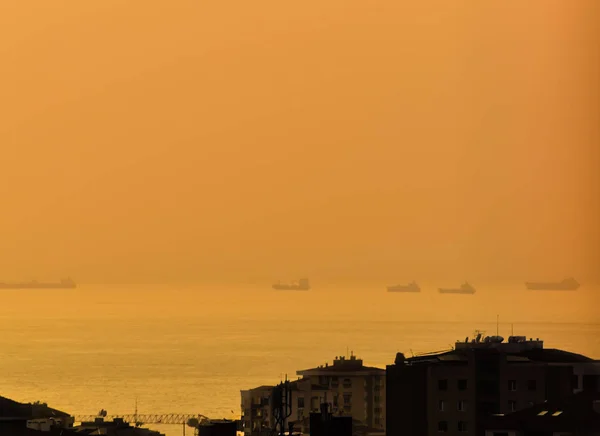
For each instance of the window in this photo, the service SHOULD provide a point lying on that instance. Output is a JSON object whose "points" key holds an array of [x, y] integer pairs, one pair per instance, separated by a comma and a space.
{"points": [[334, 382], [512, 385], [461, 406], [575, 381], [441, 406], [377, 421], [443, 385], [314, 403], [462, 385], [300, 402], [377, 410], [443, 426], [347, 399], [347, 383], [532, 385], [512, 406], [377, 399], [462, 426]]}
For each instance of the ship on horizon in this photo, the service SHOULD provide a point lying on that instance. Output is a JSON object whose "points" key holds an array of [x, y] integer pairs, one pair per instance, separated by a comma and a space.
{"points": [[411, 287], [63, 284], [300, 285], [465, 288], [568, 284]]}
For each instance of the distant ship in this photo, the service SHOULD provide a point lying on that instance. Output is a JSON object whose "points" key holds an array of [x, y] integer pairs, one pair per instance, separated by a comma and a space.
{"points": [[465, 288], [569, 284], [63, 284], [301, 285], [411, 287]]}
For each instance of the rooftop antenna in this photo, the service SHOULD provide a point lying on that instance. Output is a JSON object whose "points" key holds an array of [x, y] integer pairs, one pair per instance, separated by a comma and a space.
{"points": [[497, 325], [347, 352]]}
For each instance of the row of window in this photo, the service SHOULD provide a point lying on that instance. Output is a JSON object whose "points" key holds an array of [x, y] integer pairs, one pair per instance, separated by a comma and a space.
{"points": [[462, 385], [443, 426], [461, 405]]}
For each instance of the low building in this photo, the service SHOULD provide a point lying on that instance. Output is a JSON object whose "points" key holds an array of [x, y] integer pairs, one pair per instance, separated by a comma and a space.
{"points": [[29, 418], [454, 391], [116, 427], [325, 424], [578, 414]]}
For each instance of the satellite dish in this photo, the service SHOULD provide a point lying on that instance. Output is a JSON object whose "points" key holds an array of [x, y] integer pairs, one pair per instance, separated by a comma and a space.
{"points": [[193, 422]]}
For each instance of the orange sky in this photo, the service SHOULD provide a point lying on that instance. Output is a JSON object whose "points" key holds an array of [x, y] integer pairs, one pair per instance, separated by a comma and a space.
{"points": [[226, 140]]}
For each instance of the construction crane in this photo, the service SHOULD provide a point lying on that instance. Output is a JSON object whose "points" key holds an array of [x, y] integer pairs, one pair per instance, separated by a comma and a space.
{"points": [[184, 419]]}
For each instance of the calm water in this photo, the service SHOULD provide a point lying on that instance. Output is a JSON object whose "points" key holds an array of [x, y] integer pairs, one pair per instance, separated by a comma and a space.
{"points": [[191, 349]]}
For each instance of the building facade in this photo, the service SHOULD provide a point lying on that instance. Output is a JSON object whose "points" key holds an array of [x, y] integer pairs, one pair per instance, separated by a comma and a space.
{"points": [[256, 411], [348, 386], [351, 388], [452, 392]]}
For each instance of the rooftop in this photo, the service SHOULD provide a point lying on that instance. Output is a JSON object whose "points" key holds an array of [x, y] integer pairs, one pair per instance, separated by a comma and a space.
{"points": [[13, 409], [576, 412], [342, 365], [517, 349]]}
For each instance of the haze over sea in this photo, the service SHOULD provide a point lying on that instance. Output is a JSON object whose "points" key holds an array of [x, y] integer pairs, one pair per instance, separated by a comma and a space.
{"points": [[191, 349]]}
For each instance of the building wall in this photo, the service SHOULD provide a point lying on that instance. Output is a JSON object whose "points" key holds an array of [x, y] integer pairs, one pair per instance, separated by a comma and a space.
{"points": [[256, 410], [359, 396], [451, 394], [406, 400], [521, 386]]}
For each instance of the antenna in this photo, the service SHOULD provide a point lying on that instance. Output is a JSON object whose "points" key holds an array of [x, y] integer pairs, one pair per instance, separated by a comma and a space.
{"points": [[512, 330], [497, 324]]}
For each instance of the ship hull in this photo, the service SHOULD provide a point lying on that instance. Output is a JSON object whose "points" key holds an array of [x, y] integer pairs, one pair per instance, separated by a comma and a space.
{"points": [[455, 291], [402, 289], [550, 287]]}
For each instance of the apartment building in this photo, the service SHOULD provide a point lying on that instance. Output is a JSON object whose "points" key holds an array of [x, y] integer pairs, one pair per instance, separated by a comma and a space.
{"points": [[452, 392], [348, 386], [352, 388]]}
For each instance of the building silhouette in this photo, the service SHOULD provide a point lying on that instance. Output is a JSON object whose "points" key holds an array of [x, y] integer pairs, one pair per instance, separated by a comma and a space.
{"points": [[454, 392]]}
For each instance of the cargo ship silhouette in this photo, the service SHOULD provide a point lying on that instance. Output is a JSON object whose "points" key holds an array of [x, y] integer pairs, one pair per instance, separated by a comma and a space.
{"points": [[568, 284], [411, 287], [301, 285], [465, 288]]}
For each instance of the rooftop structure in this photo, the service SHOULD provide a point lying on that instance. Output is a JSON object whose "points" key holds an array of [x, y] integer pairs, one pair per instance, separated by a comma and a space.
{"points": [[342, 365]]}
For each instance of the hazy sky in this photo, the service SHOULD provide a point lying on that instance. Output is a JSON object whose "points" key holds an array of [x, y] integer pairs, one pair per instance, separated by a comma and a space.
{"points": [[200, 140]]}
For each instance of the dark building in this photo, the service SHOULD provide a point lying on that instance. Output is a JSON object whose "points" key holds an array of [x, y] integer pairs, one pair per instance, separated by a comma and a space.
{"points": [[218, 428], [325, 424], [18, 419], [578, 414], [116, 427], [453, 392]]}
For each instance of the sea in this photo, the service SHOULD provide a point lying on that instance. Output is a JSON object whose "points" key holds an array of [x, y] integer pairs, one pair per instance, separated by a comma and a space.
{"points": [[169, 349]]}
